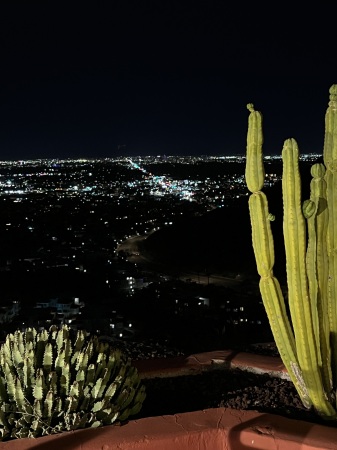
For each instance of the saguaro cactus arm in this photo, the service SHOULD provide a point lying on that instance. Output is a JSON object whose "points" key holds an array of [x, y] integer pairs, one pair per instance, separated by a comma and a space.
{"points": [[303, 316], [300, 351], [263, 246], [255, 169], [330, 161], [316, 212]]}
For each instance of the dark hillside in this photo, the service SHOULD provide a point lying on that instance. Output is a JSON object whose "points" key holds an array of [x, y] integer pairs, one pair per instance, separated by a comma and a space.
{"points": [[217, 242], [213, 242], [220, 241]]}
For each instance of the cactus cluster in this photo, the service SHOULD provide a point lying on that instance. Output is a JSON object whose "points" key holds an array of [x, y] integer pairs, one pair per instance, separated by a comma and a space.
{"points": [[55, 380], [307, 337]]}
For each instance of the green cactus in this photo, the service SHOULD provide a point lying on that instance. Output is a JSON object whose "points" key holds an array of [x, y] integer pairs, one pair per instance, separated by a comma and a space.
{"points": [[307, 339], [53, 381]]}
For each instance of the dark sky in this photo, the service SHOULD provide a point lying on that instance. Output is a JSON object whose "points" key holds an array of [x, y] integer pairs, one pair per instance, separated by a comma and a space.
{"points": [[87, 79]]}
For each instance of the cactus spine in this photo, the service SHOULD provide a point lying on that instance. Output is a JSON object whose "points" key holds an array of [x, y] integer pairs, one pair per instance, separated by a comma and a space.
{"points": [[307, 340]]}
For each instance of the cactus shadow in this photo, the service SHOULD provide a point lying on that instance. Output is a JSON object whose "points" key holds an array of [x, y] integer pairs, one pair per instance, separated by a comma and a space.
{"points": [[71, 440], [268, 428]]}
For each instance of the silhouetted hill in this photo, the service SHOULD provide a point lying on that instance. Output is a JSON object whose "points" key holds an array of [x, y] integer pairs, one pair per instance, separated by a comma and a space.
{"points": [[211, 242], [217, 242], [220, 241]]}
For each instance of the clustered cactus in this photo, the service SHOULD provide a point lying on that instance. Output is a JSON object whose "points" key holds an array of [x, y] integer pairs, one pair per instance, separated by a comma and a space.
{"points": [[56, 380], [307, 338]]}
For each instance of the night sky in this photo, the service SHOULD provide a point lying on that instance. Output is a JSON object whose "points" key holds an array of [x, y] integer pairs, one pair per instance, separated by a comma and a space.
{"points": [[101, 79]]}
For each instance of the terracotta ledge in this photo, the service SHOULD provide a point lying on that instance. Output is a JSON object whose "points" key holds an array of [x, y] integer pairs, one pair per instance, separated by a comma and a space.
{"points": [[164, 367], [215, 429]]}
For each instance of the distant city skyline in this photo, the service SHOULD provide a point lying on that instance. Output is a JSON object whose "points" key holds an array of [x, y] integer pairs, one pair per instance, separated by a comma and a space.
{"points": [[147, 78]]}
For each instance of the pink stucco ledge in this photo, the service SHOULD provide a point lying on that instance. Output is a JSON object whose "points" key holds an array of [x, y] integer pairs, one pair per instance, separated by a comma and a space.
{"points": [[211, 429], [163, 367]]}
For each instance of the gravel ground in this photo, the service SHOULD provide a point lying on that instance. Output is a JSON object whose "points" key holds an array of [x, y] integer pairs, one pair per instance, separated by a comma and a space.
{"points": [[214, 388], [224, 388], [145, 349], [153, 349]]}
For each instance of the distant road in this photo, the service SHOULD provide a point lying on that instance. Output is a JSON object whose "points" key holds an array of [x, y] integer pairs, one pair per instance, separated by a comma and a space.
{"points": [[132, 248]]}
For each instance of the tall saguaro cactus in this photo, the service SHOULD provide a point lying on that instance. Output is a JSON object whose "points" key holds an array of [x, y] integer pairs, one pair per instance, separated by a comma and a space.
{"points": [[307, 337]]}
